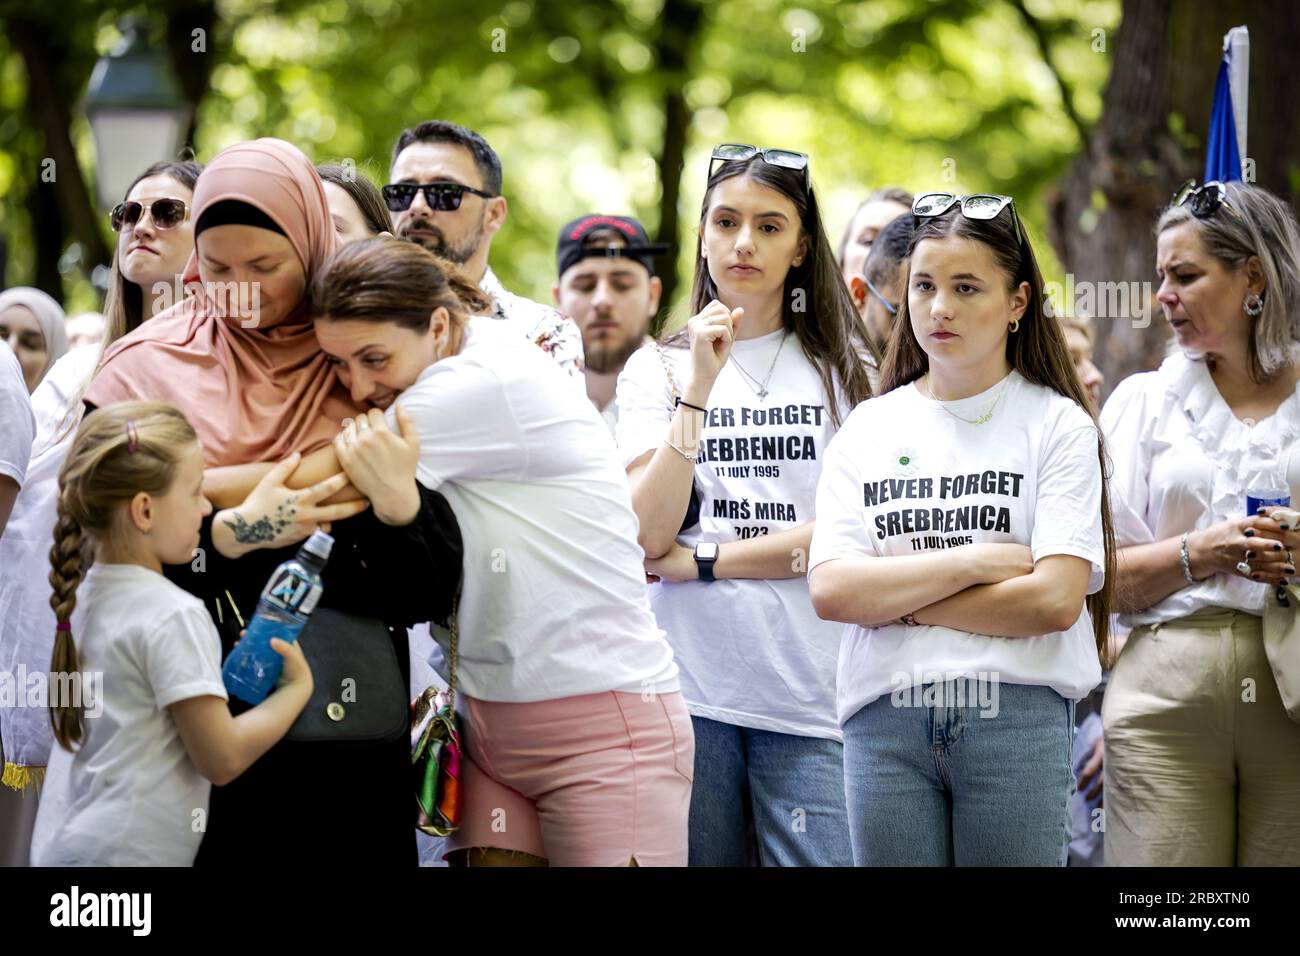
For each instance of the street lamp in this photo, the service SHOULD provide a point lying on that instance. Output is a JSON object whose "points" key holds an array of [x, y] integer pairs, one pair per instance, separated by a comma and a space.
{"points": [[136, 111]]}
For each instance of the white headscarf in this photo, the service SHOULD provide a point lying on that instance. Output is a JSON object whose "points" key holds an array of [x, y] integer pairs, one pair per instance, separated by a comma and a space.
{"points": [[48, 313]]}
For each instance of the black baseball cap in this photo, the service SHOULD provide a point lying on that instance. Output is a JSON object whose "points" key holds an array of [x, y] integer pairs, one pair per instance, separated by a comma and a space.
{"points": [[577, 242]]}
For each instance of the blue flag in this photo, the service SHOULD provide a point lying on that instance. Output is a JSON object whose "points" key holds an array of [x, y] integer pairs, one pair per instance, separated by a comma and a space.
{"points": [[1222, 162]]}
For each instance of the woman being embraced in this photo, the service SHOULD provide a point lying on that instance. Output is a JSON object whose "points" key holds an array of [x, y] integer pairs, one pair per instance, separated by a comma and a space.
{"points": [[241, 361]]}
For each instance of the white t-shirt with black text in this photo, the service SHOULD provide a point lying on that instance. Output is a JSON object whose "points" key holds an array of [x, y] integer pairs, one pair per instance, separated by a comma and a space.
{"points": [[904, 476], [133, 797], [753, 653], [553, 602]]}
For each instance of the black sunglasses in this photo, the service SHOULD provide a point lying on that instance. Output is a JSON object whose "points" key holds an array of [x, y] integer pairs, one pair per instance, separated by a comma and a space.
{"points": [[440, 197], [974, 206], [165, 213], [739, 152], [1203, 201]]}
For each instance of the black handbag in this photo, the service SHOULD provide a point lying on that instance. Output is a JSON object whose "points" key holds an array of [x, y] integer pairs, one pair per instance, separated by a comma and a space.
{"points": [[358, 692]]}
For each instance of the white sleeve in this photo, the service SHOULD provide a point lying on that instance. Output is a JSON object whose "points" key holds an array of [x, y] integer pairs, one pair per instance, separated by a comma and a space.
{"points": [[17, 425], [466, 425], [52, 402], [644, 404], [1067, 512], [182, 658], [1126, 423], [841, 530]]}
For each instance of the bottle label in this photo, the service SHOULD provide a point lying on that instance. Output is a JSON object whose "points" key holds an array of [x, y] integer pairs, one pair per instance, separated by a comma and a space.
{"points": [[288, 590], [309, 602]]}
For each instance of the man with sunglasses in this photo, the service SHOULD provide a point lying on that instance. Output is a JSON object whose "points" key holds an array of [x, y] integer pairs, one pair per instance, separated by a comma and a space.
{"points": [[445, 195]]}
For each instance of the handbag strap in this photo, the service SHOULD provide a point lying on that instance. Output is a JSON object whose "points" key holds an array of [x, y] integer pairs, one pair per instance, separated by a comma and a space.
{"points": [[672, 382], [451, 682]]}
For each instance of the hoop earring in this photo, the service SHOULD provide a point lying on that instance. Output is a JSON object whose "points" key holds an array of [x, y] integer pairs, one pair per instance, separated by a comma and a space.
{"points": [[1015, 326], [1253, 305]]}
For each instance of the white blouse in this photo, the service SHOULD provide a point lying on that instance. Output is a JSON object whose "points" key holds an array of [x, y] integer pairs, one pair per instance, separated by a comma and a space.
{"points": [[1183, 461]]}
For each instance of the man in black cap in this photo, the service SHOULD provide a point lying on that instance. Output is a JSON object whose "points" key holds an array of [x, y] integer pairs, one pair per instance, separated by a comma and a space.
{"points": [[607, 285]]}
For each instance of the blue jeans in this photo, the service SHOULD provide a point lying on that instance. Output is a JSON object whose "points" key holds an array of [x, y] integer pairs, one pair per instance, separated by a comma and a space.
{"points": [[764, 798], [943, 785]]}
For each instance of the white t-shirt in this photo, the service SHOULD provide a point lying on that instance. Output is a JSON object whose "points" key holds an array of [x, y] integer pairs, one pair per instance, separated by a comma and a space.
{"points": [[904, 476], [609, 415], [1183, 461], [132, 791], [753, 653], [17, 425], [554, 602], [26, 619]]}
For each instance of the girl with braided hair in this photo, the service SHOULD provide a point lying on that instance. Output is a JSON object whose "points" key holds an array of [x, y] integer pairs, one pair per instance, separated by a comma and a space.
{"points": [[154, 732]]}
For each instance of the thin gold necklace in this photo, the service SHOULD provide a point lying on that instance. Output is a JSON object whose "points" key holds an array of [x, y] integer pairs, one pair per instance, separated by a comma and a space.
{"points": [[983, 419]]}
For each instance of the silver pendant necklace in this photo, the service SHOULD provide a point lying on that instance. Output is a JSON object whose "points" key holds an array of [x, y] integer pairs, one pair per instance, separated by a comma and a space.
{"points": [[760, 388]]}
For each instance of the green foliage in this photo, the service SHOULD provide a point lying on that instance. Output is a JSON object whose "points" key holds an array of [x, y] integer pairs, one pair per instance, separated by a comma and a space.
{"points": [[928, 95]]}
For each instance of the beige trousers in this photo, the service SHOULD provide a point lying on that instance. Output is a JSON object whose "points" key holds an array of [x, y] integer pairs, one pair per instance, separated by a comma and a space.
{"points": [[1202, 763]]}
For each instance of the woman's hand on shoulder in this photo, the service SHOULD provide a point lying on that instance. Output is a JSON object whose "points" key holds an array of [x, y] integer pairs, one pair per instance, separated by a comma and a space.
{"points": [[381, 464]]}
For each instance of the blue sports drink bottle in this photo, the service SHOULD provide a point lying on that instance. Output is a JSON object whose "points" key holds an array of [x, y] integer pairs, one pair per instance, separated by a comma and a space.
{"points": [[253, 668]]}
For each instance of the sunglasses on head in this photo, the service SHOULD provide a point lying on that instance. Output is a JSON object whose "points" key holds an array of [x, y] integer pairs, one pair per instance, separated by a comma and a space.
{"points": [[1203, 201], [440, 197], [739, 153], [974, 206], [165, 213]]}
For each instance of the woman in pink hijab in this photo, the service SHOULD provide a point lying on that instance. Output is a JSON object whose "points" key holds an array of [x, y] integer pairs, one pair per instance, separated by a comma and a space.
{"points": [[241, 361]]}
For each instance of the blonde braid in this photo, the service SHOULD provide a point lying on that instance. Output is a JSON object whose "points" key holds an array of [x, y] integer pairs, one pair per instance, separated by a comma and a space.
{"points": [[66, 573]]}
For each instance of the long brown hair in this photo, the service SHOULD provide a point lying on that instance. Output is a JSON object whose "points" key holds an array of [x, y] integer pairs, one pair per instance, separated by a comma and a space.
{"points": [[102, 473], [390, 280], [829, 329], [1037, 350]]}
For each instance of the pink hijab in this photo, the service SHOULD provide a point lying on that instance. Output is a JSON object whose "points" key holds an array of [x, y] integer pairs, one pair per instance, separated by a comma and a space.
{"points": [[254, 394]]}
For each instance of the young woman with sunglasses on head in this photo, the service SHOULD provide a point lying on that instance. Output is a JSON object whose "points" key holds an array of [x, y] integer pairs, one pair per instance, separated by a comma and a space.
{"points": [[962, 525], [769, 366], [1202, 762]]}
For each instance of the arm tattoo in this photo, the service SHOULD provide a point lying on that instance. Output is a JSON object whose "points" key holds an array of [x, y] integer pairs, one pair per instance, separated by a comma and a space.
{"points": [[265, 528]]}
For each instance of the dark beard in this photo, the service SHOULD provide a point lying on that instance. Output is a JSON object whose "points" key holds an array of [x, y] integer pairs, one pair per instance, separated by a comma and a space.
{"points": [[612, 358], [459, 253]]}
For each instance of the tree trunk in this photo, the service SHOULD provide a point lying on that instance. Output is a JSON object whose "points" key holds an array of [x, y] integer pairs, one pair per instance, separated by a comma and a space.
{"points": [[1100, 219], [71, 207], [193, 69], [681, 19]]}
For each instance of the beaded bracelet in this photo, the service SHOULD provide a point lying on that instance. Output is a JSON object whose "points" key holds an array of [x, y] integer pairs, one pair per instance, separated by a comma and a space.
{"points": [[1186, 559]]}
